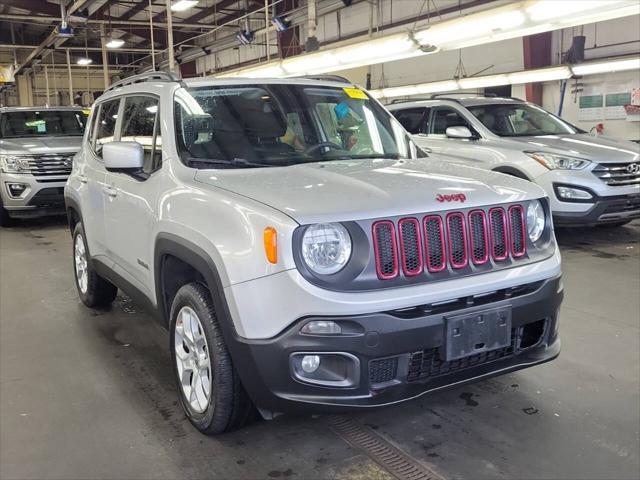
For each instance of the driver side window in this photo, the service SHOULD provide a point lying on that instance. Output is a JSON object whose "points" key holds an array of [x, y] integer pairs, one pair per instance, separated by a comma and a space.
{"points": [[444, 118]]}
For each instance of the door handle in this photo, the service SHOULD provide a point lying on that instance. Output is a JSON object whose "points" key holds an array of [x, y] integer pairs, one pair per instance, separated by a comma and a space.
{"points": [[83, 179], [112, 192]]}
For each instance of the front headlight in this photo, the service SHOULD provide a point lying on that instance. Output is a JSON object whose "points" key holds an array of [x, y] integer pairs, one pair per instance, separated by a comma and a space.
{"points": [[13, 164], [535, 220], [558, 162], [326, 248]]}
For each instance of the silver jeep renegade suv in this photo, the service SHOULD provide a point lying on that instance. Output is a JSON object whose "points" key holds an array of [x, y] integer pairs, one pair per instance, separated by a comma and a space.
{"points": [[37, 145], [301, 254]]}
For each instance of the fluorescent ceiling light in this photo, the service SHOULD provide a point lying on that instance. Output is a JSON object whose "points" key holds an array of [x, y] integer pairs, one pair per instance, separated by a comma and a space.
{"points": [[516, 19], [515, 78], [540, 75], [115, 43], [84, 61], [182, 5], [482, 82], [605, 67]]}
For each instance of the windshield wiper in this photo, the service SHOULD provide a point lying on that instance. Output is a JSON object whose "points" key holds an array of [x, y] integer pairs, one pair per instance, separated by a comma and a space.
{"points": [[234, 162]]}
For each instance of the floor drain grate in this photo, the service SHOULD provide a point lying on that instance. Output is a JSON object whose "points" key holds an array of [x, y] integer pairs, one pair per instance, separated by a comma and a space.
{"points": [[394, 460]]}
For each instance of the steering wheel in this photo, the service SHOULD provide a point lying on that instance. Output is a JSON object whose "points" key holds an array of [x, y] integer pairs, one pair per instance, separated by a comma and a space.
{"points": [[312, 148]]}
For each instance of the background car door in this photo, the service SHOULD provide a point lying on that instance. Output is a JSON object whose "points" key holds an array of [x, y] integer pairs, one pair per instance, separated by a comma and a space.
{"points": [[416, 122], [459, 150], [131, 201], [92, 176]]}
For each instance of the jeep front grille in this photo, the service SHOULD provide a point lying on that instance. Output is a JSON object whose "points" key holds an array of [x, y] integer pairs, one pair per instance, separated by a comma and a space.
{"points": [[452, 240], [618, 174], [49, 165]]}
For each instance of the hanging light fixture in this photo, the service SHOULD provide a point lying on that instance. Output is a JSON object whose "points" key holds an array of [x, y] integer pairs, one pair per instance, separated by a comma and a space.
{"points": [[114, 43], [84, 61]]}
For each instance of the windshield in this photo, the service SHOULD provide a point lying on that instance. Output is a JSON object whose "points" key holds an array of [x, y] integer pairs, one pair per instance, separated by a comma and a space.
{"points": [[278, 125], [43, 123], [520, 120]]}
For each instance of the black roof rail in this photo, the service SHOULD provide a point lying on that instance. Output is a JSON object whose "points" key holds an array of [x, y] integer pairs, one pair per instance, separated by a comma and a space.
{"points": [[398, 100], [146, 77], [330, 78]]}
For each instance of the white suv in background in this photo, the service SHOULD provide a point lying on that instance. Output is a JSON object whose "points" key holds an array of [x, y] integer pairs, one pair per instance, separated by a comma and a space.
{"points": [[37, 145], [302, 256], [589, 180]]}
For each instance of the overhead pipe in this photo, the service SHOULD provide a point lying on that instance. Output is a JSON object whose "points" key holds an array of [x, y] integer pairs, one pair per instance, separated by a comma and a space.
{"points": [[140, 23], [9, 46]]}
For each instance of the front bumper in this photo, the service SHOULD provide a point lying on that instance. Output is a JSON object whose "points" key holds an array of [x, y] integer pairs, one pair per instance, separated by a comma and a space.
{"points": [[398, 352], [608, 203], [39, 198]]}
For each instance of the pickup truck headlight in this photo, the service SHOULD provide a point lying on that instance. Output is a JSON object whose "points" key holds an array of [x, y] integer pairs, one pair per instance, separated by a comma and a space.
{"points": [[553, 161], [535, 220], [13, 164], [326, 248]]}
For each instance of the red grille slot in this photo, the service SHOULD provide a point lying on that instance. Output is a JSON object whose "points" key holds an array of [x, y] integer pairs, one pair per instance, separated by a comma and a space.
{"points": [[457, 236], [410, 246], [517, 229], [385, 249], [479, 237], [434, 243], [499, 237]]}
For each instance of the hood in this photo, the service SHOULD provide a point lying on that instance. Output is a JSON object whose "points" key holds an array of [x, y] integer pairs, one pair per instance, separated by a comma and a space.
{"points": [[596, 149], [40, 145], [346, 190]]}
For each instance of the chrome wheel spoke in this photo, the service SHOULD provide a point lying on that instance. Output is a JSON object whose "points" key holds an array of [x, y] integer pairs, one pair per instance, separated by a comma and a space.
{"points": [[80, 261], [192, 359]]}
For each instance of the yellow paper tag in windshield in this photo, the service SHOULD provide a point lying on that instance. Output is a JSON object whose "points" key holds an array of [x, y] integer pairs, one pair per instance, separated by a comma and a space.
{"points": [[355, 93], [86, 111]]}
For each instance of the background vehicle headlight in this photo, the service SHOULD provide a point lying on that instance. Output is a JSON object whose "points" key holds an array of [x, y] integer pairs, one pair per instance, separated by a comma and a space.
{"points": [[326, 247], [12, 164], [558, 162], [535, 220]]}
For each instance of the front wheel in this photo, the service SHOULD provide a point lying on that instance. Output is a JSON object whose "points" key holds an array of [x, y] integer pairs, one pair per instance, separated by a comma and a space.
{"points": [[5, 219], [208, 384], [93, 290]]}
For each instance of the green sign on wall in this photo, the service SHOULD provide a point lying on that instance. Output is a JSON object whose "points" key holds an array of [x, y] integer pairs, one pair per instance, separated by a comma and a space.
{"points": [[590, 101], [618, 99]]}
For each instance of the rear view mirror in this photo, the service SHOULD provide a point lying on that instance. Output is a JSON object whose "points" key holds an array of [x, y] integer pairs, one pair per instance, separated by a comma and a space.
{"points": [[459, 132], [123, 156]]}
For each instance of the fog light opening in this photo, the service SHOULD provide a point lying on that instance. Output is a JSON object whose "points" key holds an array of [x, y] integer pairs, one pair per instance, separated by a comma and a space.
{"points": [[16, 189], [329, 369], [531, 334], [570, 193]]}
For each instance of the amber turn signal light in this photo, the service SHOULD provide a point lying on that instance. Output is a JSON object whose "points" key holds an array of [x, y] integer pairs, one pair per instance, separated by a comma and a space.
{"points": [[271, 244]]}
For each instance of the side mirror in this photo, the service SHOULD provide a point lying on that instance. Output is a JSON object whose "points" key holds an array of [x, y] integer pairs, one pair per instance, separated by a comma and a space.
{"points": [[459, 132], [123, 156]]}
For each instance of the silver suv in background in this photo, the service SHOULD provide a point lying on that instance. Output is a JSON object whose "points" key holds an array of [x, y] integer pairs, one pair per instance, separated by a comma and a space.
{"points": [[589, 180], [37, 146]]}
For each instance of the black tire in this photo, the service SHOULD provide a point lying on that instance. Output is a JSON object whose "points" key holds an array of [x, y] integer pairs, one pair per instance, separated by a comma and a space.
{"points": [[614, 224], [229, 407], [99, 292]]}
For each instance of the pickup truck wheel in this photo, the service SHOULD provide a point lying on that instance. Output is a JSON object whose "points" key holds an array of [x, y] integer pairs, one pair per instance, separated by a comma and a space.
{"points": [[94, 291], [209, 387]]}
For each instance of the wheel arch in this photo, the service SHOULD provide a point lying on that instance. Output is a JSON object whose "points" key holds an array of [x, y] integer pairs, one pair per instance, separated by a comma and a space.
{"points": [[74, 215], [178, 261], [513, 171]]}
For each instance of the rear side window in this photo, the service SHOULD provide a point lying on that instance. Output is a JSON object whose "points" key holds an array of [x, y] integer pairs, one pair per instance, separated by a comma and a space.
{"points": [[139, 125], [444, 118], [106, 128], [414, 120]]}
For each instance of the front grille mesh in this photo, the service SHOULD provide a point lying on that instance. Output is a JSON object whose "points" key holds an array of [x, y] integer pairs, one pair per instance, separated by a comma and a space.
{"points": [[383, 370], [618, 174], [455, 240]]}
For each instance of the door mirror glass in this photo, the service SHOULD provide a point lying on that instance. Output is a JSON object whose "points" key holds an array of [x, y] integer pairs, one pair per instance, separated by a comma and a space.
{"points": [[123, 156], [458, 132]]}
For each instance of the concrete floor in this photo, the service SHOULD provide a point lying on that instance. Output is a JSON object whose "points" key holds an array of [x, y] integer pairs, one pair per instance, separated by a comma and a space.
{"points": [[87, 394]]}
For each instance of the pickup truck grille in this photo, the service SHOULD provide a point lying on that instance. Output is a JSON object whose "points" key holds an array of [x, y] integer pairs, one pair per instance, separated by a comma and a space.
{"points": [[453, 240], [50, 165], [618, 174]]}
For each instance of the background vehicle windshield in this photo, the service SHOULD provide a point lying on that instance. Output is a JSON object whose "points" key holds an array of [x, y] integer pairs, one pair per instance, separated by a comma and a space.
{"points": [[277, 125], [44, 123], [520, 120]]}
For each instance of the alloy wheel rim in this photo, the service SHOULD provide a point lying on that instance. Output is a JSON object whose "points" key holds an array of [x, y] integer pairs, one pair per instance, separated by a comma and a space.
{"points": [[80, 256], [192, 359]]}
